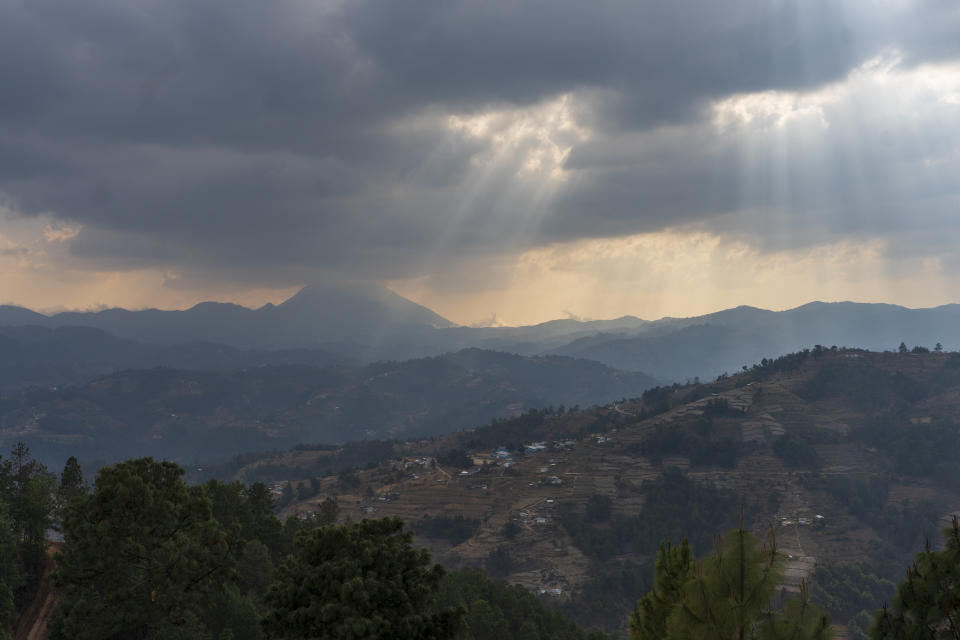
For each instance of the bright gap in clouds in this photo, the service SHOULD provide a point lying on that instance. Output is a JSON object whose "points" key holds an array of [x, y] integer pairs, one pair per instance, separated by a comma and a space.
{"points": [[830, 201], [512, 177], [680, 274]]}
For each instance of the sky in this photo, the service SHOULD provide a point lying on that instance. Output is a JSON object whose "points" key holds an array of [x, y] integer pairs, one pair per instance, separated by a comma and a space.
{"points": [[502, 162]]}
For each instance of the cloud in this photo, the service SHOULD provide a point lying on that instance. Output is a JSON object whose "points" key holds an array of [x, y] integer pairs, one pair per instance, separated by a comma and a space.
{"points": [[256, 144]]}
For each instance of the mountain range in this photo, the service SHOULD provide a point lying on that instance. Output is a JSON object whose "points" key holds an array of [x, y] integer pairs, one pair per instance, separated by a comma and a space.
{"points": [[334, 324]]}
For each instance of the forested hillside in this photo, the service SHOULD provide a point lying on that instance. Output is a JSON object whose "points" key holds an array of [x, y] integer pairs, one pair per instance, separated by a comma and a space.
{"points": [[190, 415], [848, 454]]}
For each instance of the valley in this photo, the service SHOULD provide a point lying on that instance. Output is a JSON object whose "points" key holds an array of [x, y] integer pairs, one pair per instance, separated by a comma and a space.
{"points": [[520, 506]]}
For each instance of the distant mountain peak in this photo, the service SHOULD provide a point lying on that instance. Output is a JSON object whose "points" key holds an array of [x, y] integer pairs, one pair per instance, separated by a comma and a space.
{"points": [[364, 300], [215, 306], [323, 290], [13, 315]]}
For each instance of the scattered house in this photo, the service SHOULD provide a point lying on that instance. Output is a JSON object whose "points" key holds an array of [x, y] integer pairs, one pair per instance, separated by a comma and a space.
{"points": [[534, 447], [540, 520], [542, 469], [555, 480], [426, 463]]}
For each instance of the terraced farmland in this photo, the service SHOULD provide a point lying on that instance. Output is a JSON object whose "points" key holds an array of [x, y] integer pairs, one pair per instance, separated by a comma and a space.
{"points": [[615, 451]]}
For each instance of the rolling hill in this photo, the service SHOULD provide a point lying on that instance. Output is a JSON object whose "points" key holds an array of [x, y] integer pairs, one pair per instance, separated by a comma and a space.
{"points": [[34, 356], [849, 455], [188, 415]]}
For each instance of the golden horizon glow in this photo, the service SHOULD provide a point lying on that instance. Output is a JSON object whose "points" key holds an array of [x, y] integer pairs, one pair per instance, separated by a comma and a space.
{"points": [[681, 275]]}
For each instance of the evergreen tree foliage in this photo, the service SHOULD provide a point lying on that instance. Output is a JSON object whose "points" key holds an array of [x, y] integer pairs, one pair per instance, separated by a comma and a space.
{"points": [[800, 621], [599, 508], [71, 481], [328, 512], [674, 567], [228, 613], [142, 556], [730, 589], [850, 592], [499, 611], [726, 596], [10, 577], [499, 562], [255, 570], [27, 489], [248, 513], [358, 581], [927, 604]]}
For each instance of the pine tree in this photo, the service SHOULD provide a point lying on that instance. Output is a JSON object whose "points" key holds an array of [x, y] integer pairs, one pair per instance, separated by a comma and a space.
{"points": [[10, 576], [730, 589], [29, 491], [71, 481], [141, 555], [927, 604], [726, 596], [328, 512], [801, 620], [358, 581], [674, 567]]}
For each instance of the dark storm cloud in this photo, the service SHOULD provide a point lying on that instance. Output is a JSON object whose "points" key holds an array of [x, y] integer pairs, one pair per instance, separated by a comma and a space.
{"points": [[292, 135]]}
